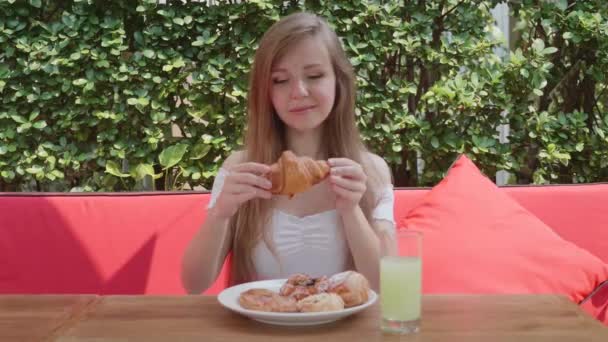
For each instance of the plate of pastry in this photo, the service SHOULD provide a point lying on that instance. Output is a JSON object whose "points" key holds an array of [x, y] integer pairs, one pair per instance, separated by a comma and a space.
{"points": [[300, 300]]}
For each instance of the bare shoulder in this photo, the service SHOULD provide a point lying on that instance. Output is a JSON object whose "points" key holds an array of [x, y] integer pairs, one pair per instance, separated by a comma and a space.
{"points": [[378, 166], [235, 158]]}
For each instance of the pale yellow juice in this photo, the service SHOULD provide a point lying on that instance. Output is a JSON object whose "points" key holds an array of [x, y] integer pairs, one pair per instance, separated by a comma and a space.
{"points": [[400, 288]]}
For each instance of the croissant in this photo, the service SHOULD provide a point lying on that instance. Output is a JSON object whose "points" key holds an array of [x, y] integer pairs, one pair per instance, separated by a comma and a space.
{"points": [[291, 174]]}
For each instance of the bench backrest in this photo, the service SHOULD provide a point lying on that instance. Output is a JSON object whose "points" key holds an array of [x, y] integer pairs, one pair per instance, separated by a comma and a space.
{"points": [[132, 243]]}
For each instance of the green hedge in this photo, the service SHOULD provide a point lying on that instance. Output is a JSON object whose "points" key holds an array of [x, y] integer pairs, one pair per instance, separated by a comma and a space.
{"points": [[92, 90]]}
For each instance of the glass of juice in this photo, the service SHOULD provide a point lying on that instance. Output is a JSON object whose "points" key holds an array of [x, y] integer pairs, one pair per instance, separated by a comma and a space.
{"points": [[401, 284]]}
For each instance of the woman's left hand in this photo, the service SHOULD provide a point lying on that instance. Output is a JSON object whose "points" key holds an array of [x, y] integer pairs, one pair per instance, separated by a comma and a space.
{"points": [[348, 182]]}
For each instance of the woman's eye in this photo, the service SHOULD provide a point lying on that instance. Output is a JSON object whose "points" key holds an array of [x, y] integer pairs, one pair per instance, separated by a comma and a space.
{"points": [[279, 80], [315, 76]]}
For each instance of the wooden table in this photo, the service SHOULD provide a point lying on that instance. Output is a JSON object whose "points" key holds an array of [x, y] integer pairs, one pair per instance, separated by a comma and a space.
{"points": [[38, 318], [518, 318]]}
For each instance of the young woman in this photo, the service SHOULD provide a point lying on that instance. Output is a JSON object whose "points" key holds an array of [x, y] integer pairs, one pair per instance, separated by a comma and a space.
{"points": [[301, 98]]}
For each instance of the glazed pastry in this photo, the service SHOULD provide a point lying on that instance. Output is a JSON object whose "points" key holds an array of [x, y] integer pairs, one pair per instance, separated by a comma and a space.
{"points": [[266, 300], [299, 286], [353, 287], [321, 302], [291, 174]]}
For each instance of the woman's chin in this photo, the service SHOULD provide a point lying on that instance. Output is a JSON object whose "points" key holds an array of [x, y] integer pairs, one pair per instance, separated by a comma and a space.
{"points": [[303, 128]]}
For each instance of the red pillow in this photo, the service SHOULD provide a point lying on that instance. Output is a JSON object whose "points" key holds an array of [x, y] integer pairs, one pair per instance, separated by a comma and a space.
{"points": [[479, 240]]}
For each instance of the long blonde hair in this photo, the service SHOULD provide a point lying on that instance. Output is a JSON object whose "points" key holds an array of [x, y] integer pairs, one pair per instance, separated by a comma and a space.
{"points": [[265, 136]]}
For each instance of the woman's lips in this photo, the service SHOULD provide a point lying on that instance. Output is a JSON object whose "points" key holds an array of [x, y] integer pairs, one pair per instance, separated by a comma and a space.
{"points": [[302, 109]]}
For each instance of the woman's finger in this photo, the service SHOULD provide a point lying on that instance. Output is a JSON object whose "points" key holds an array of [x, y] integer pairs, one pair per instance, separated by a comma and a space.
{"points": [[351, 171], [251, 167], [341, 162], [246, 196], [348, 184], [237, 189], [345, 193], [251, 179]]}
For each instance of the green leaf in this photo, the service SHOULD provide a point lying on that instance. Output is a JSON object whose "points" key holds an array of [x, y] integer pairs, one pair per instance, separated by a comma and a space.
{"points": [[172, 155], [34, 170], [200, 150], [102, 64], [142, 170], [149, 53], [36, 3], [549, 50], [580, 146], [561, 4], [538, 45], [34, 114], [40, 124], [139, 38], [113, 169], [6, 174], [538, 92], [178, 21], [24, 127], [18, 118], [435, 142], [142, 101], [178, 63]]}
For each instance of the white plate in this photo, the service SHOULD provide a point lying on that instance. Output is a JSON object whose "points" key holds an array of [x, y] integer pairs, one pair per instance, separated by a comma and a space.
{"points": [[229, 298]]}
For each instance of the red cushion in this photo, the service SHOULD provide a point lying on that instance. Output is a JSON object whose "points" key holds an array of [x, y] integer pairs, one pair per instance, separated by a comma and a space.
{"points": [[597, 303], [406, 199], [477, 239], [105, 244]]}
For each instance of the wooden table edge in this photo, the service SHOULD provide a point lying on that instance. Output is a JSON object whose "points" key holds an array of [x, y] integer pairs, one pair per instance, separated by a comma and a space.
{"points": [[76, 315]]}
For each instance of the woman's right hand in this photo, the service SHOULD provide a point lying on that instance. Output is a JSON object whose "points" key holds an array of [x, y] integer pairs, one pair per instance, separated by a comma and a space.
{"points": [[243, 182]]}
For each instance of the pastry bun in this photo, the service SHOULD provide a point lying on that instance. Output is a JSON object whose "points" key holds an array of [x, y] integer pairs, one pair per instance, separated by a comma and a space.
{"points": [[266, 300], [321, 302], [351, 286], [299, 286]]}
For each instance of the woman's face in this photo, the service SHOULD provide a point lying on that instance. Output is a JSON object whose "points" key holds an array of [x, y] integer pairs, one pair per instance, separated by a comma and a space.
{"points": [[303, 87]]}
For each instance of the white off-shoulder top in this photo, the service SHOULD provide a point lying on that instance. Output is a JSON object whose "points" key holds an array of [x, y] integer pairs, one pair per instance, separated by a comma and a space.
{"points": [[313, 244]]}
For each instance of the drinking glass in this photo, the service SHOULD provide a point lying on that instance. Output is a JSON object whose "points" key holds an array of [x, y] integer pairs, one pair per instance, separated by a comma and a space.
{"points": [[401, 284]]}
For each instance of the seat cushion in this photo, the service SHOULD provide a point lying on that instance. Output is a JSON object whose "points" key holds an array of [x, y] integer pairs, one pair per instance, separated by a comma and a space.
{"points": [[478, 239]]}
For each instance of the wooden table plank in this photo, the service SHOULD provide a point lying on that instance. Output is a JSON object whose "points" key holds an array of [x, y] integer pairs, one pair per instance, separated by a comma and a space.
{"points": [[445, 318], [39, 317]]}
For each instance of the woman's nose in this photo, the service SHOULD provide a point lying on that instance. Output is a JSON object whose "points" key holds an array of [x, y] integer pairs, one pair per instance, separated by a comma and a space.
{"points": [[298, 89]]}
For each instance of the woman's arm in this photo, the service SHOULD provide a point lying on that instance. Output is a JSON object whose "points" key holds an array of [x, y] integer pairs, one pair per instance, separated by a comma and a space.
{"points": [[206, 254], [364, 245], [366, 240], [207, 251]]}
